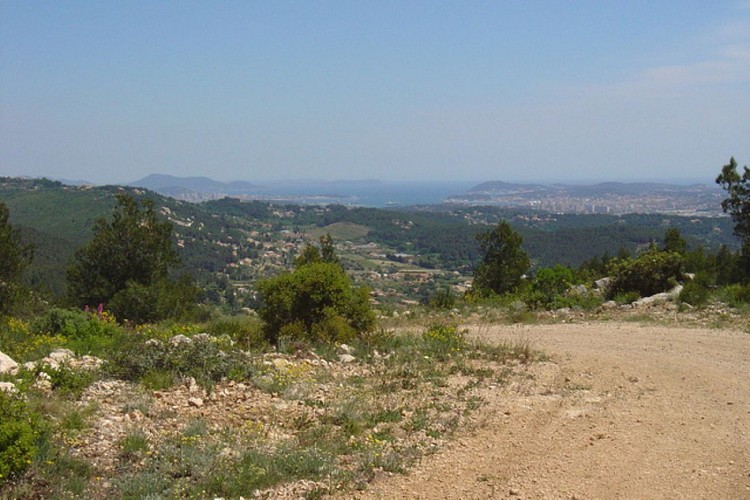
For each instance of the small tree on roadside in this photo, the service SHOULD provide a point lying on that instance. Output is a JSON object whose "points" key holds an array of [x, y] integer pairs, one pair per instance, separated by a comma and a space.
{"points": [[14, 257], [504, 262]]}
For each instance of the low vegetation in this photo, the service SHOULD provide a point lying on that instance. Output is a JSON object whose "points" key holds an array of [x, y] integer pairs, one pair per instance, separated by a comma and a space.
{"points": [[134, 388], [175, 411]]}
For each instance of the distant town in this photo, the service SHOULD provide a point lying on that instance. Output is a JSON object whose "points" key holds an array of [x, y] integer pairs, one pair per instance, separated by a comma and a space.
{"points": [[614, 198]]}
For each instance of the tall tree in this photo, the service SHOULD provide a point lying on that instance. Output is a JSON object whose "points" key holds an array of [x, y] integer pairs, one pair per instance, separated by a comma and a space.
{"points": [[737, 204], [14, 257], [134, 249], [504, 261], [674, 242]]}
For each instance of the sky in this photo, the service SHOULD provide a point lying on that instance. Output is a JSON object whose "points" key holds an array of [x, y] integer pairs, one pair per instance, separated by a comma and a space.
{"points": [[524, 90]]}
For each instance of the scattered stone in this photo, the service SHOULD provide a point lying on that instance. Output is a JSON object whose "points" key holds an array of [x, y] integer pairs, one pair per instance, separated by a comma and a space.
{"points": [[43, 382], [192, 385], [195, 402], [8, 387], [180, 339], [603, 284], [346, 358], [201, 337], [7, 365], [153, 342], [87, 363], [346, 349], [280, 363], [609, 305]]}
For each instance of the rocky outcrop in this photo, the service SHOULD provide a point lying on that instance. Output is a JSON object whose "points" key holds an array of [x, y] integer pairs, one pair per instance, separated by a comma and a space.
{"points": [[7, 365]]}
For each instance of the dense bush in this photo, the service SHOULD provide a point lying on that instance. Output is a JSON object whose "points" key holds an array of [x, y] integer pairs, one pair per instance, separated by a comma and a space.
{"points": [[651, 272], [20, 429], [315, 302], [161, 364], [162, 299], [549, 288]]}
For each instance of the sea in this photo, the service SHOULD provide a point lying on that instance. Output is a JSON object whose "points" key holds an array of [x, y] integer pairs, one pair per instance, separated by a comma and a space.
{"points": [[378, 194]]}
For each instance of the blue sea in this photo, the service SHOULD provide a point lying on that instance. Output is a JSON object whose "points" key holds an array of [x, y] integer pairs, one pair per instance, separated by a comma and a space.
{"points": [[365, 193]]}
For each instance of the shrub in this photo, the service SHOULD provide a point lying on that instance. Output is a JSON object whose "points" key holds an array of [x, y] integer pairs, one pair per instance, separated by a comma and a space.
{"points": [[626, 298], [735, 295], [161, 362], [73, 324], [314, 302], [650, 273], [443, 341], [442, 299], [696, 292], [245, 331], [83, 331], [162, 299], [549, 288], [20, 429]]}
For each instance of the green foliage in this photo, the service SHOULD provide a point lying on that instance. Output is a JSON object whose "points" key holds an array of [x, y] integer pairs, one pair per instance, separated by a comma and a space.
{"points": [[314, 302], [159, 363], [20, 429], [67, 381], [442, 299], [14, 258], [737, 203], [673, 241], [161, 299], [246, 332], [549, 288], [504, 261], [85, 332], [736, 295], [443, 341], [695, 292], [649, 273], [126, 265], [73, 324], [312, 254], [624, 298]]}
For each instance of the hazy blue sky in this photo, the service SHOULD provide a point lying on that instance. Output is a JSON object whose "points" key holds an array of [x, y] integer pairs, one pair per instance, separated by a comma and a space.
{"points": [[510, 90]]}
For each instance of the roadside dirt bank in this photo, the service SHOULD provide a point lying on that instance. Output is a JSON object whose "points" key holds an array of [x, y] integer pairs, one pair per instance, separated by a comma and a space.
{"points": [[620, 410]]}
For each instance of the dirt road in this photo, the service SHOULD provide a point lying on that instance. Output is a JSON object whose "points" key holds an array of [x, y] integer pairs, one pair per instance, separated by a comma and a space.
{"points": [[620, 411]]}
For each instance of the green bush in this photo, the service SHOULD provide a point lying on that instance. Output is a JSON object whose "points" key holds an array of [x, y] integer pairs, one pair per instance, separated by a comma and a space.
{"points": [[73, 324], [68, 381], [696, 292], [20, 430], [84, 332], [442, 299], [312, 303], [735, 295], [651, 272], [161, 362], [549, 288], [246, 332], [626, 298], [139, 304]]}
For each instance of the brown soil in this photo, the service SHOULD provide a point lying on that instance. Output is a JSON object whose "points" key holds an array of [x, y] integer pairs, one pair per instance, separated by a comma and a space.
{"points": [[620, 411]]}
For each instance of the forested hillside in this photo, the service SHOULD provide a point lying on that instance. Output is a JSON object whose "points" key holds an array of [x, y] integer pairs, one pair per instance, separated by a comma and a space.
{"points": [[228, 244]]}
